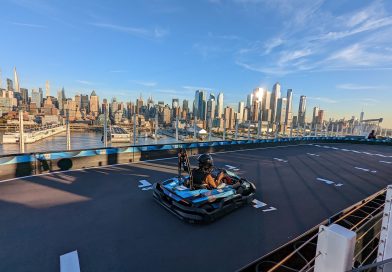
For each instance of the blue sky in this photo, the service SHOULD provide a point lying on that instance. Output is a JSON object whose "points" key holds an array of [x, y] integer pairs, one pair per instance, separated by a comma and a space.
{"points": [[338, 53]]}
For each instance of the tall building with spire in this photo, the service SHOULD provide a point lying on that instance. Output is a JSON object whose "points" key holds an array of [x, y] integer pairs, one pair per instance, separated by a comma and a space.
{"points": [[47, 88], [16, 81]]}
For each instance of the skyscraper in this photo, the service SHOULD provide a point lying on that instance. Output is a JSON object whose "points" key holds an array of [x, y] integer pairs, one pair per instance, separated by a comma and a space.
{"points": [[175, 103], [249, 100], [25, 95], [94, 104], [219, 106], [241, 107], [61, 98], [16, 81], [302, 110], [315, 115], [10, 85], [196, 104], [36, 98], [281, 110], [289, 114], [202, 107], [185, 105], [211, 106], [274, 101], [47, 88]]}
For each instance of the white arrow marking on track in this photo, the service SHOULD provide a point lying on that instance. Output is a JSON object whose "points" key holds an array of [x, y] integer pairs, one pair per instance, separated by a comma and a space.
{"points": [[311, 154], [258, 204], [329, 182], [144, 183], [70, 262]]}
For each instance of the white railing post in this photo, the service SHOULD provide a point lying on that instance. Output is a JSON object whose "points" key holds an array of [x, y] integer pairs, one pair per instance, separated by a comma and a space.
{"points": [[21, 133], [385, 245], [68, 129], [236, 129], [335, 249], [176, 124]]}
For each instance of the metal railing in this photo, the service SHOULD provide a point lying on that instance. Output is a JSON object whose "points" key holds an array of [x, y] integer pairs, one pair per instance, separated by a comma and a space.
{"points": [[299, 255]]}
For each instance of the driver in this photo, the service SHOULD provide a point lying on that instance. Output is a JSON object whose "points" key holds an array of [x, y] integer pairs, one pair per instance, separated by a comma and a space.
{"points": [[202, 175]]}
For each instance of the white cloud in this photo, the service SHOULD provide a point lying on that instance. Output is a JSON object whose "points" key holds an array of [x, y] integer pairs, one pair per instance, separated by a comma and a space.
{"points": [[324, 99], [325, 42], [155, 33], [194, 88], [85, 82], [29, 25], [352, 86], [145, 83]]}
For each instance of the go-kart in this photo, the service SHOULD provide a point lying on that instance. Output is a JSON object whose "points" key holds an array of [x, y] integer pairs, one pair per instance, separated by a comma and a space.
{"points": [[203, 205]]}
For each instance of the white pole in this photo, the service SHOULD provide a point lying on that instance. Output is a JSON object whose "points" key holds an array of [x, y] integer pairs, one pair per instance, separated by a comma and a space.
{"points": [[315, 130], [105, 127], [248, 130], [209, 128], [224, 129], [68, 129], [176, 128], [260, 124], [156, 127], [21, 132], [134, 128], [194, 128], [236, 129], [291, 129], [276, 130]]}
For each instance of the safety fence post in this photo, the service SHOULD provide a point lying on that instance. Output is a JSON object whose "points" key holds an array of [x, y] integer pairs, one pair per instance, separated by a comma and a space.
{"points": [[335, 249], [21, 132], [385, 244], [68, 129], [236, 129]]}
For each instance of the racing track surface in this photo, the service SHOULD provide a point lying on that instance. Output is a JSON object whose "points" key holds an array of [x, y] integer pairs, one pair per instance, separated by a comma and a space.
{"points": [[116, 226]]}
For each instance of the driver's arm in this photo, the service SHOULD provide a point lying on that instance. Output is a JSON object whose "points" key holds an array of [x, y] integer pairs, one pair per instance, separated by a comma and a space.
{"points": [[210, 181], [213, 183]]}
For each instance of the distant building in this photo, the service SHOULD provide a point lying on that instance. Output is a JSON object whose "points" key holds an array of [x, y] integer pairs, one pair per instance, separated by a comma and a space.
{"points": [[274, 101], [10, 85], [219, 105], [94, 104], [289, 115], [302, 111], [281, 111]]}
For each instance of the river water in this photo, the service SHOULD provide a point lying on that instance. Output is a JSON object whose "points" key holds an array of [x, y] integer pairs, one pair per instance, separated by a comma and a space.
{"points": [[79, 140]]}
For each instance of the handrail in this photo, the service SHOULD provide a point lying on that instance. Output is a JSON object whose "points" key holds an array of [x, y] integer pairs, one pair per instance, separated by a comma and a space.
{"points": [[365, 267]]}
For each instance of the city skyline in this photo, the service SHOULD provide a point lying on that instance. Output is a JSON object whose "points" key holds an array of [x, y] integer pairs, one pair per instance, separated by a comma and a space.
{"points": [[342, 66], [271, 106]]}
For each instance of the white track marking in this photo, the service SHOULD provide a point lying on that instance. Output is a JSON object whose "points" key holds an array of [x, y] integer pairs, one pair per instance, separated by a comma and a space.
{"points": [[232, 167], [329, 182], [365, 169], [258, 204], [311, 154], [70, 262], [387, 162], [281, 160], [270, 209]]}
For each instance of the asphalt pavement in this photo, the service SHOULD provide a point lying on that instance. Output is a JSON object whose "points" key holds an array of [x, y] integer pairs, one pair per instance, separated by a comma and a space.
{"points": [[109, 217]]}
